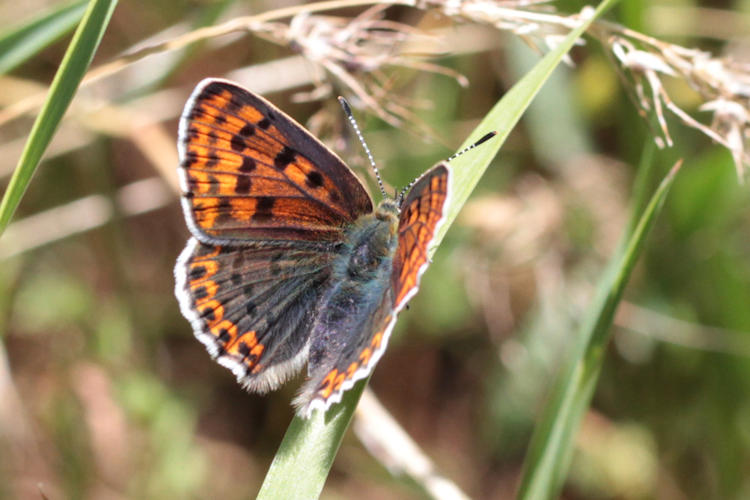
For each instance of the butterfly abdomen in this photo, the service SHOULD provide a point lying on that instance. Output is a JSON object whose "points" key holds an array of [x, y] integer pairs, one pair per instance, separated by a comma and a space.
{"points": [[360, 277]]}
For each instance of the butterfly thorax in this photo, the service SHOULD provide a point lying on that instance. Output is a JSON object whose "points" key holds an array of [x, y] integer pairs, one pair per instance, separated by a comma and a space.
{"points": [[369, 246]]}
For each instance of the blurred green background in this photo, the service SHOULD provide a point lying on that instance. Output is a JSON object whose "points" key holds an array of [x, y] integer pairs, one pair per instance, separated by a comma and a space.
{"points": [[106, 394]]}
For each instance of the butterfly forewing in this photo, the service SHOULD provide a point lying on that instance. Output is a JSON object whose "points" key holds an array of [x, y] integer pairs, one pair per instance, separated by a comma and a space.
{"points": [[248, 172]]}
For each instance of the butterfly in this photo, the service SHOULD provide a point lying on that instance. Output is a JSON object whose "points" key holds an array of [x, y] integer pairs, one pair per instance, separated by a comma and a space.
{"points": [[289, 263]]}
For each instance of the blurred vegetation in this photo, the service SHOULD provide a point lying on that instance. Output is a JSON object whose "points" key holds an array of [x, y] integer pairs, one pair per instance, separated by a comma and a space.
{"points": [[106, 394]]}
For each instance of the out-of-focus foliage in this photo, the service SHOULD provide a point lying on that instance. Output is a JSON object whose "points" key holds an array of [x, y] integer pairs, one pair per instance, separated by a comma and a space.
{"points": [[106, 394]]}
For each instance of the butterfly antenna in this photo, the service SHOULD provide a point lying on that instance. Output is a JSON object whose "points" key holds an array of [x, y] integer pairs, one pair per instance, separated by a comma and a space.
{"points": [[486, 137], [353, 122]]}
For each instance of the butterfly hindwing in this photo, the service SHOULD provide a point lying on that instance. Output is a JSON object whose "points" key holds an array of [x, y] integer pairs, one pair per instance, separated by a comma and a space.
{"points": [[252, 306], [250, 172]]}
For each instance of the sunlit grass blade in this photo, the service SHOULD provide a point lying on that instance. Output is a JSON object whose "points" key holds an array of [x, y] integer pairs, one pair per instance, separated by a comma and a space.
{"points": [[468, 169], [551, 445], [641, 187], [20, 43], [74, 64], [300, 467], [306, 454]]}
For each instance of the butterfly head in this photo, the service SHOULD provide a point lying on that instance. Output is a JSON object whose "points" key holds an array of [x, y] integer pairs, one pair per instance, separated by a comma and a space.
{"points": [[388, 209]]}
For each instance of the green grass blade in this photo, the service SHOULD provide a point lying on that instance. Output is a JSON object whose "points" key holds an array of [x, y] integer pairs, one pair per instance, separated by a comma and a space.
{"points": [[469, 168], [643, 180], [552, 442], [20, 43], [300, 467], [306, 453], [74, 65]]}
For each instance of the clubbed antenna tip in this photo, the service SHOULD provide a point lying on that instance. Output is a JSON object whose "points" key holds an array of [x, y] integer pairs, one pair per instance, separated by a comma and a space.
{"points": [[486, 137], [347, 109]]}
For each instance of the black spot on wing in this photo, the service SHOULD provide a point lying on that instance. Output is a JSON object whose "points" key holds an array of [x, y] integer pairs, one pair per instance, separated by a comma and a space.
{"points": [[314, 179], [243, 349], [285, 157], [247, 130], [197, 273], [250, 308], [224, 336], [208, 314], [238, 143], [243, 184], [264, 208], [248, 165]]}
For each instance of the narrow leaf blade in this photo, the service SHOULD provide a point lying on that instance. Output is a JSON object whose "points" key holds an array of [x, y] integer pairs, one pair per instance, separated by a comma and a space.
{"points": [[74, 65], [19, 44], [552, 443]]}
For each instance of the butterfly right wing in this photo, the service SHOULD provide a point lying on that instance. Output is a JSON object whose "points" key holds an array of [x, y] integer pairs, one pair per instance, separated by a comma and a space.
{"points": [[251, 306], [422, 214]]}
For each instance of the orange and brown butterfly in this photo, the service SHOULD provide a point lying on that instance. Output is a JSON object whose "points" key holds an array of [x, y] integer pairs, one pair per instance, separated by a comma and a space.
{"points": [[288, 262]]}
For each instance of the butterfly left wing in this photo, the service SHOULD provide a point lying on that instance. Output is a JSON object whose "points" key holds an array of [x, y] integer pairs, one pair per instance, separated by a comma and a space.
{"points": [[268, 205], [421, 215], [250, 172]]}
